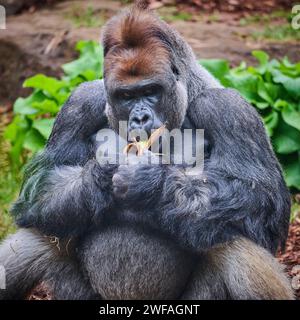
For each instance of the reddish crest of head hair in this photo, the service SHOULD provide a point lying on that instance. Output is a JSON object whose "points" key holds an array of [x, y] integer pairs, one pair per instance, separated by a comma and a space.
{"points": [[137, 50], [142, 4]]}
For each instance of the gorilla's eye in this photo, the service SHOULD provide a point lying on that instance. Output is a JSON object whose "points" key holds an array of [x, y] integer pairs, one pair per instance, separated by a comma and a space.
{"points": [[148, 92], [126, 95], [175, 71]]}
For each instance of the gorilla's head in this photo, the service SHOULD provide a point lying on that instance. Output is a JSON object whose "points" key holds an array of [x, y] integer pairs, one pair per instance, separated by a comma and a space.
{"points": [[146, 71]]}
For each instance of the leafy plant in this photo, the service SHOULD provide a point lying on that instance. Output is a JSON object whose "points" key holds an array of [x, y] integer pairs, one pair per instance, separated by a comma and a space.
{"points": [[34, 116], [273, 87], [9, 185]]}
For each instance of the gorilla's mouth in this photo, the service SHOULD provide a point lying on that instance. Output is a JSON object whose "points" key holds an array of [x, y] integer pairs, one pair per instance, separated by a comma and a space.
{"points": [[139, 144]]}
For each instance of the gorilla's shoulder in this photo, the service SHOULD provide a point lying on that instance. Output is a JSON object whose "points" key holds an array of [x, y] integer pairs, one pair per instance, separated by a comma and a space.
{"points": [[224, 101], [222, 97], [224, 106], [90, 92], [87, 101], [83, 113]]}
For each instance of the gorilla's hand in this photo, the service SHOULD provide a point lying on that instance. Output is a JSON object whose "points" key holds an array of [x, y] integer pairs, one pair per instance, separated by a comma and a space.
{"points": [[139, 185], [101, 174], [68, 199], [121, 181]]}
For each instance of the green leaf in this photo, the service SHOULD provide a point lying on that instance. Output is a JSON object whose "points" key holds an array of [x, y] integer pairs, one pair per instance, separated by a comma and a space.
{"points": [[16, 150], [217, 67], [245, 83], [25, 105], [47, 84], [273, 90], [15, 133], [88, 46], [289, 69], [89, 75], [74, 82], [28, 132], [291, 116], [271, 122], [19, 124], [262, 91], [34, 141], [46, 106], [261, 56], [44, 126], [261, 105], [286, 139], [292, 85], [292, 173], [241, 67], [280, 104], [286, 62], [81, 66], [90, 63]]}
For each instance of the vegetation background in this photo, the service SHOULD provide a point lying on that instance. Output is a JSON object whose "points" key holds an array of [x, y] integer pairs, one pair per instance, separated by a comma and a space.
{"points": [[50, 47]]}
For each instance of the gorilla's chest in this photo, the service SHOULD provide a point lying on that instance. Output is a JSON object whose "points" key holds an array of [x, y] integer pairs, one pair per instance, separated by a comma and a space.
{"points": [[129, 264]]}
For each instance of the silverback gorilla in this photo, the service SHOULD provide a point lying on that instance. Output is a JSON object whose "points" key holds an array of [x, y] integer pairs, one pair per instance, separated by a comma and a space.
{"points": [[151, 231]]}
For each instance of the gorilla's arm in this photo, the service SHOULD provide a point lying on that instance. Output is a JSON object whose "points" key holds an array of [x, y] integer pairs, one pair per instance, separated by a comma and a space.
{"points": [[241, 192], [65, 190], [65, 200]]}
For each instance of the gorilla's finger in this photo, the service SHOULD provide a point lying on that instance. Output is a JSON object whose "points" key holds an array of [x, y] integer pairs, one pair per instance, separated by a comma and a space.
{"points": [[120, 185]]}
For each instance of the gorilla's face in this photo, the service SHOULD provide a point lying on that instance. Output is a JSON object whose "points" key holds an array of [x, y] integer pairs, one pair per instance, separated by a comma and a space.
{"points": [[139, 102], [143, 86]]}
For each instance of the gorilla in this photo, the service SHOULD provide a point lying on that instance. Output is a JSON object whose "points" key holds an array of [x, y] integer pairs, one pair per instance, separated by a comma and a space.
{"points": [[104, 231]]}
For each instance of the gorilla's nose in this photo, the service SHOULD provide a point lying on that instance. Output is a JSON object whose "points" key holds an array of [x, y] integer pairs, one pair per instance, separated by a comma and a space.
{"points": [[141, 119]]}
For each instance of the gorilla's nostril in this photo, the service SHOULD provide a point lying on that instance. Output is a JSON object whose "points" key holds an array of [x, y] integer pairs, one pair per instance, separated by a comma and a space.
{"points": [[136, 120], [145, 118]]}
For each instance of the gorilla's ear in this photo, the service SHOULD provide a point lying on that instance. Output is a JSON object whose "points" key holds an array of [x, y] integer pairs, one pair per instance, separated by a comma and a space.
{"points": [[141, 4]]}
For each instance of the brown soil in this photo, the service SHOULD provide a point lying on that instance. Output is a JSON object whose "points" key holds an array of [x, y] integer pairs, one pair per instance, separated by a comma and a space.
{"points": [[236, 5], [291, 256], [23, 44], [40, 292]]}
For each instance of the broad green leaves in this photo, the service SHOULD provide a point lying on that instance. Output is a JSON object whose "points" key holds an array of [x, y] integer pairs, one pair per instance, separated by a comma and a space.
{"points": [[273, 87], [43, 126], [33, 140], [34, 116], [292, 172], [89, 65], [286, 139], [271, 122], [49, 86], [219, 68], [291, 116]]}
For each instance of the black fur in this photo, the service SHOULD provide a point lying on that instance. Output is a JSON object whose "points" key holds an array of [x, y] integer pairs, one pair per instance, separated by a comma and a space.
{"points": [[241, 193]]}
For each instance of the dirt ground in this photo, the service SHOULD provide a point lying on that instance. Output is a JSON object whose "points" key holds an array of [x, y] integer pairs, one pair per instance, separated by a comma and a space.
{"points": [[24, 45], [291, 257]]}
